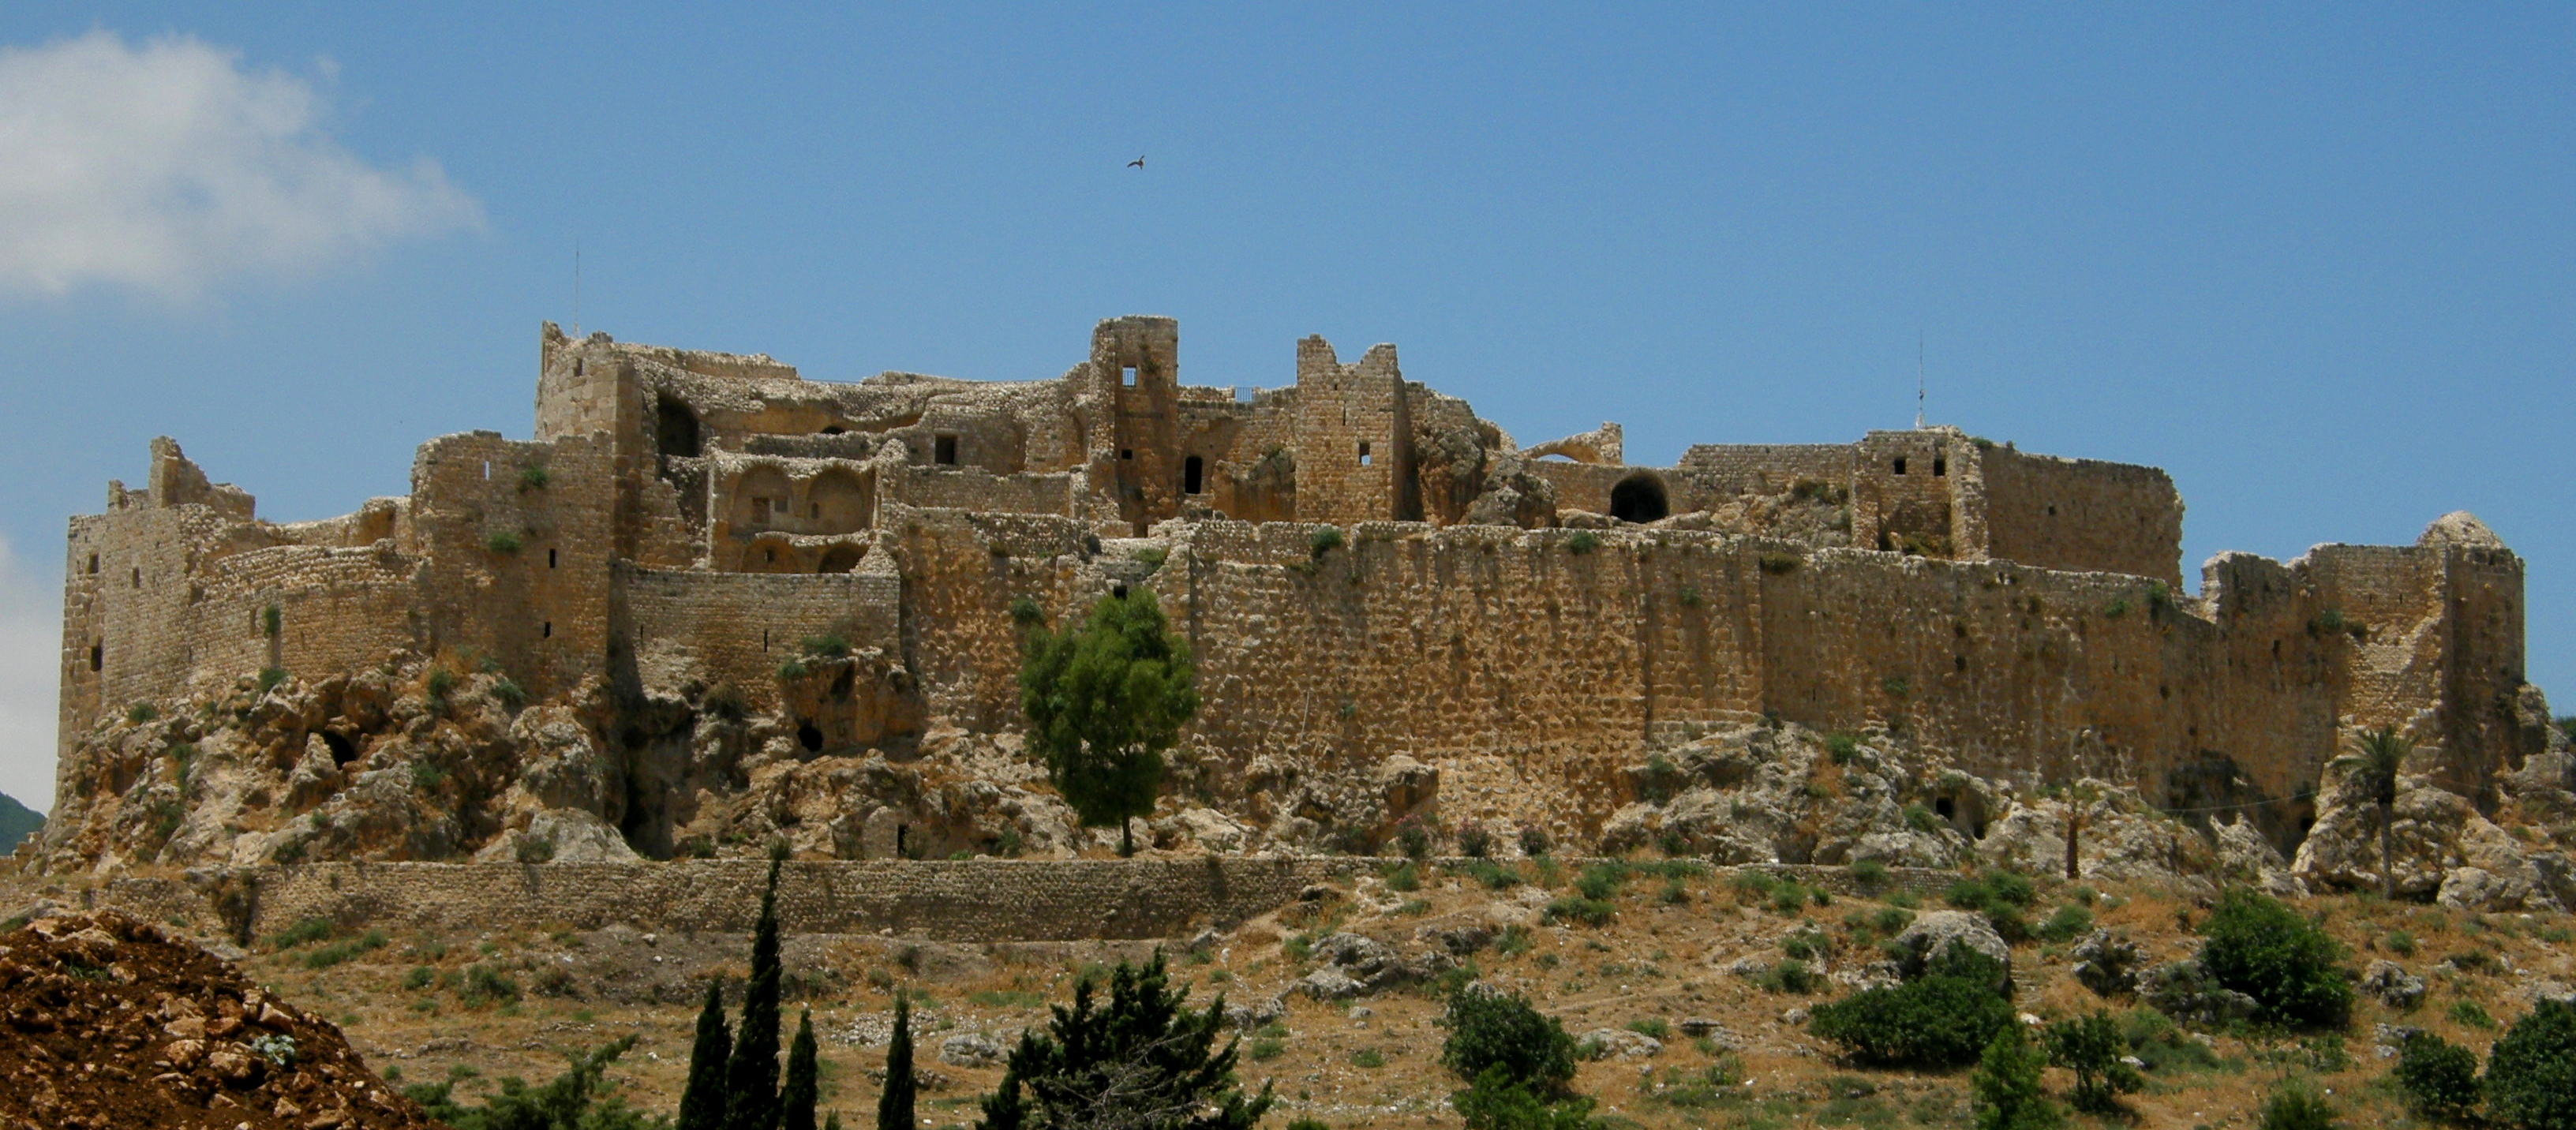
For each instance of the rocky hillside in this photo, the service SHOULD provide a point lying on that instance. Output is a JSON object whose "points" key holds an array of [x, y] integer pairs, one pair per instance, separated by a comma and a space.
{"points": [[441, 759]]}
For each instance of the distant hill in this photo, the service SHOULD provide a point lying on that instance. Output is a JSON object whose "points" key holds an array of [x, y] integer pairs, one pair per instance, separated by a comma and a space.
{"points": [[17, 822]]}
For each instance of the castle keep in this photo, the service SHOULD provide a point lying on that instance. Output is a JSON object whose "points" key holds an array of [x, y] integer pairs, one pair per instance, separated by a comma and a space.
{"points": [[1365, 571]]}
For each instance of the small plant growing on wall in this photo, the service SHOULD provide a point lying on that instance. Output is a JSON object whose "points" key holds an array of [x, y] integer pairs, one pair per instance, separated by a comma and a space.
{"points": [[271, 621], [1324, 541], [533, 478], [502, 541], [1583, 541]]}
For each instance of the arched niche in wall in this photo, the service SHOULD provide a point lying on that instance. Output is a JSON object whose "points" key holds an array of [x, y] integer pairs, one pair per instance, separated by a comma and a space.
{"points": [[836, 503], [760, 499], [841, 558], [1639, 498]]}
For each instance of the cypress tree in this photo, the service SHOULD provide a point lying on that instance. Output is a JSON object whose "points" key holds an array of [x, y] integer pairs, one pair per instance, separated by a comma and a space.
{"points": [[796, 1102], [751, 1076], [702, 1104], [894, 1107], [833, 1122]]}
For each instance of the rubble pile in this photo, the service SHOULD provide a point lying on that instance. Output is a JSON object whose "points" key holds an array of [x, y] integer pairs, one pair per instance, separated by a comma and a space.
{"points": [[106, 1022]]}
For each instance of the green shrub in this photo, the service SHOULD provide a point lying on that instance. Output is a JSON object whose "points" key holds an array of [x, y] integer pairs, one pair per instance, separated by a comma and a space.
{"points": [[1921, 819], [487, 985], [830, 645], [1026, 613], [2399, 942], [2118, 607], [2438, 1078], [1777, 564], [269, 677], [1413, 836], [1575, 908], [1601, 880], [338, 952], [1582, 542], [1891, 920], [1499, 1032], [2471, 1014], [1497, 1102], [509, 693], [2006, 1085], [304, 931], [271, 621], [141, 712], [533, 477], [1944, 1018], [1323, 541], [1474, 841], [2531, 1072], [2257, 946], [2067, 924], [1652, 1026], [1842, 748], [1369, 1058], [1789, 976], [1869, 874], [1405, 876], [419, 977], [502, 541], [2091, 1047], [442, 682], [2298, 1106]]}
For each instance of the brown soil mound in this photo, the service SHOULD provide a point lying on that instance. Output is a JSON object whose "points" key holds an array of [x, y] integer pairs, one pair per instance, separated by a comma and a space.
{"points": [[105, 1022]]}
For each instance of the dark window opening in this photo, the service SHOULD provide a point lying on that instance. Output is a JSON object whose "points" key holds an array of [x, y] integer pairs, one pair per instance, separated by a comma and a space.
{"points": [[1193, 475], [1118, 591], [93, 564], [1959, 662], [943, 449], [550, 559], [769, 557], [97, 655], [343, 751], [548, 632], [764, 639], [1638, 498], [1364, 453], [1126, 453], [1940, 466], [675, 429], [138, 576], [834, 430], [2052, 510], [814, 511], [903, 841], [809, 737], [1127, 376], [1900, 465], [2164, 691]]}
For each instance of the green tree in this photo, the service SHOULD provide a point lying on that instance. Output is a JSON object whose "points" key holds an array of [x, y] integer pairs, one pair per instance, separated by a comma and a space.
{"points": [[2438, 1077], [1490, 1029], [2005, 1086], [702, 1102], [1104, 699], [2256, 945], [2531, 1072], [1141, 1062], [796, 1101], [895, 1105], [2374, 763], [751, 1075], [2091, 1047], [1496, 1101]]}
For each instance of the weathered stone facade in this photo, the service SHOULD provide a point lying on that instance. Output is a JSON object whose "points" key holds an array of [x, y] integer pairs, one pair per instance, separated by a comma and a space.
{"points": [[1527, 623]]}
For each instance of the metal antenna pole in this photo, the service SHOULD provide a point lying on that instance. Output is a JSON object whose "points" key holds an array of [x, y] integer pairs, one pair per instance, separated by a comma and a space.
{"points": [[1918, 380], [576, 288]]}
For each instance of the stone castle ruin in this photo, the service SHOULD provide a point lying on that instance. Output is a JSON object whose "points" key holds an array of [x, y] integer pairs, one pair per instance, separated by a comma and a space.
{"points": [[712, 602]]}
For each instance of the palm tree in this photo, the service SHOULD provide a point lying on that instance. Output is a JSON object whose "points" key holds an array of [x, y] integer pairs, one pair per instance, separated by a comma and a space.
{"points": [[2376, 758]]}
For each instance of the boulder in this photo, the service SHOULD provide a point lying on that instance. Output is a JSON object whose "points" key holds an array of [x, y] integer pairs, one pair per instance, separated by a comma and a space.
{"points": [[2392, 985], [1604, 1043], [970, 1049], [1936, 932], [2107, 963]]}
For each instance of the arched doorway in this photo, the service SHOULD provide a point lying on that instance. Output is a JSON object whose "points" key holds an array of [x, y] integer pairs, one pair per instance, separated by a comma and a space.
{"points": [[840, 559], [1639, 498]]}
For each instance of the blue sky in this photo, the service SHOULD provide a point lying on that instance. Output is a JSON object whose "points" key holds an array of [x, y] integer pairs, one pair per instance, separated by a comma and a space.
{"points": [[2314, 261]]}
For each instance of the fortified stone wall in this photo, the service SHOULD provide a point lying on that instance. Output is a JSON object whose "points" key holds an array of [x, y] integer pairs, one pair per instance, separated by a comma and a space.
{"points": [[2081, 514]]}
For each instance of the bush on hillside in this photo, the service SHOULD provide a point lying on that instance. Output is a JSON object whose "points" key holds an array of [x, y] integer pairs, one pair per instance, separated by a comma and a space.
{"points": [[2531, 1072], [1943, 1018], [2438, 1078], [2257, 946]]}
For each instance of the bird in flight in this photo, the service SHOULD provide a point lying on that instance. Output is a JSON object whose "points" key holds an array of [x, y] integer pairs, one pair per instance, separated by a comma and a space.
{"points": [[1138, 163]]}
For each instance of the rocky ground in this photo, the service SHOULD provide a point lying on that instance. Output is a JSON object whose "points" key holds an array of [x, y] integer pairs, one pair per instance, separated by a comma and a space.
{"points": [[1681, 988]]}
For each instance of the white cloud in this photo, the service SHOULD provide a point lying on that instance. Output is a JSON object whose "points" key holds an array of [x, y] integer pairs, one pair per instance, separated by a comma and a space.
{"points": [[165, 167], [31, 632]]}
